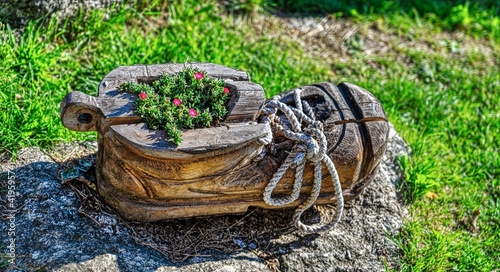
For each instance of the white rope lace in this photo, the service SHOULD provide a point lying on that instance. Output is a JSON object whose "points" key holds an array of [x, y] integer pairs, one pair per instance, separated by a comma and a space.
{"points": [[310, 145]]}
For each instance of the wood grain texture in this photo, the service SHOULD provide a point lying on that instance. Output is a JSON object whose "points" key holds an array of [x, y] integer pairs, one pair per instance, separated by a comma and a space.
{"points": [[164, 188], [197, 143], [220, 170], [80, 112], [246, 99]]}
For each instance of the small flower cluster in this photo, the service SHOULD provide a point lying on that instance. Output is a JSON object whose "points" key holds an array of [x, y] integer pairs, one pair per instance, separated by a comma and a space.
{"points": [[188, 99]]}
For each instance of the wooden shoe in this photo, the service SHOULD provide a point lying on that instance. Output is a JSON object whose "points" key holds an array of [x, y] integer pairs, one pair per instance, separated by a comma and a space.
{"points": [[226, 169]]}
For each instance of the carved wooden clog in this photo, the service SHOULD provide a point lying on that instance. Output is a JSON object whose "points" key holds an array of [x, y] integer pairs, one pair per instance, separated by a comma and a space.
{"points": [[221, 170]]}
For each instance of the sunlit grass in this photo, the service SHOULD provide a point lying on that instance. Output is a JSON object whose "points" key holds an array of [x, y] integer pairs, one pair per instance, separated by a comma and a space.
{"points": [[477, 18], [445, 108]]}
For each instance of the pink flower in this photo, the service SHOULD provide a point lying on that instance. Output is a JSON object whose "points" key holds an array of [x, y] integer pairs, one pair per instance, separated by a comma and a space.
{"points": [[193, 112], [177, 102], [199, 75], [142, 95], [226, 90]]}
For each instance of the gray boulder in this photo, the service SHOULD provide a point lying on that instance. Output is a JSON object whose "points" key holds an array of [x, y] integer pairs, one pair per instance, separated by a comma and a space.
{"points": [[65, 228]]}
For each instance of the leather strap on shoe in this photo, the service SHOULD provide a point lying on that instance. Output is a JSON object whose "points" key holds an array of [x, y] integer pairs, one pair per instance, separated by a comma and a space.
{"points": [[310, 145]]}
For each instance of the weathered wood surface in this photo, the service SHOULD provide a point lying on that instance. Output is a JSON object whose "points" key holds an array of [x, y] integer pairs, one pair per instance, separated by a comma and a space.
{"points": [[196, 143], [149, 73], [83, 112], [219, 170]]}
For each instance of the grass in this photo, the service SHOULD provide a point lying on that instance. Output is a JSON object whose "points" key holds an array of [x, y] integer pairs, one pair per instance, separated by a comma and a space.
{"points": [[438, 81], [475, 17], [444, 104], [35, 74]]}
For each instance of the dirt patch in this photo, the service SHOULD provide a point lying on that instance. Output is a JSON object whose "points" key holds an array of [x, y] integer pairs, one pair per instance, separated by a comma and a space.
{"points": [[339, 40]]}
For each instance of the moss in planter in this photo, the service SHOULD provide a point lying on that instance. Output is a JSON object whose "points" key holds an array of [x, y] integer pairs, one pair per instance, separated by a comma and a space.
{"points": [[188, 99]]}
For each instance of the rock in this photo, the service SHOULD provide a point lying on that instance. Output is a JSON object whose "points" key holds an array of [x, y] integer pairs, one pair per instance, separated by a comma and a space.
{"points": [[361, 242], [53, 231]]}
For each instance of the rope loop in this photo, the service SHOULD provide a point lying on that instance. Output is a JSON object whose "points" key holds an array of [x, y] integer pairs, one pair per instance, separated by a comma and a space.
{"points": [[310, 145]]}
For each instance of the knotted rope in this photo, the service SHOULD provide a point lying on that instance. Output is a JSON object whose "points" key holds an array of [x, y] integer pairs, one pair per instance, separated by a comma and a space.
{"points": [[310, 145]]}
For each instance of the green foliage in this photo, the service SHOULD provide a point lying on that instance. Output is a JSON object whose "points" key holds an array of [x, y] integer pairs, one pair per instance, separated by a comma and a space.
{"points": [[184, 100], [418, 177], [477, 17], [415, 243], [35, 73]]}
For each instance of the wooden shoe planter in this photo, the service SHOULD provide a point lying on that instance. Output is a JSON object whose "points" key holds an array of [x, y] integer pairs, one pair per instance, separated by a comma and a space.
{"points": [[225, 169]]}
